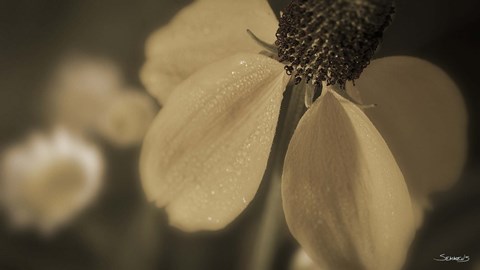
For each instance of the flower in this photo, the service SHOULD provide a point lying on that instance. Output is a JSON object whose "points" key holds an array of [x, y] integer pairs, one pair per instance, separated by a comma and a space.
{"points": [[46, 181], [344, 193]]}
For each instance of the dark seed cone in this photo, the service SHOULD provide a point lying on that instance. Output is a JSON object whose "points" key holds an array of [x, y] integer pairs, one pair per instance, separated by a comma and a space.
{"points": [[331, 40]]}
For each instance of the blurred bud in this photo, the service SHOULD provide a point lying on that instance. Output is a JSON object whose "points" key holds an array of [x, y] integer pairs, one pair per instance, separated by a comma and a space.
{"points": [[47, 180], [127, 118], [80, 89]]}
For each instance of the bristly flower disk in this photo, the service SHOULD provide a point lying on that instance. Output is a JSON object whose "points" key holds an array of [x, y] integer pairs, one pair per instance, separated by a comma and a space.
{"points": [[331, 41]]}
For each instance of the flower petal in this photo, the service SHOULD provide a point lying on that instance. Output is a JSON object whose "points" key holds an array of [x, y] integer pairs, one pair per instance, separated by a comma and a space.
{"points": [[200, 34], [205, 153], [344, 196], [422, 117]]}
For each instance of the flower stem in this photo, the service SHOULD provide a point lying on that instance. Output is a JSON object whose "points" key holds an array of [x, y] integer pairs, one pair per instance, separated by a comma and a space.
{"points": [[268, 233]]}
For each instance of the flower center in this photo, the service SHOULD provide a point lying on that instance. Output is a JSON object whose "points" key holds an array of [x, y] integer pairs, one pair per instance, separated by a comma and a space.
{"points": [[330, 41]]}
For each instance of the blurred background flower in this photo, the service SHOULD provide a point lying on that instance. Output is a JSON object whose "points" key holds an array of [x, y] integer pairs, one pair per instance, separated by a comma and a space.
{"points": [[36, 36], [89, 95], [126, 117], [80, 89], [47, 180]]}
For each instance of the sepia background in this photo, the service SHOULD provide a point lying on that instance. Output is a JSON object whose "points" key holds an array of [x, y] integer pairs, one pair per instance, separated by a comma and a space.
{"points": [[120, 230]]}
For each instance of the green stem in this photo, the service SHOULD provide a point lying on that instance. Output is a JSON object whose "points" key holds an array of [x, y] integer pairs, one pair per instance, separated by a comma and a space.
{"points": [[267, 235]]}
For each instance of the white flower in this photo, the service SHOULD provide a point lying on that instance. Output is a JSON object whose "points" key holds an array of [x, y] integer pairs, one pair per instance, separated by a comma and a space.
{"points": [[46, 181], [345, 198]]}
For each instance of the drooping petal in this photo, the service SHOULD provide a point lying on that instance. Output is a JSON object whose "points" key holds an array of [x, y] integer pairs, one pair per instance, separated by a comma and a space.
{"points": [[344, 197], [202, 33], [206, 151], [421, 115]]}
